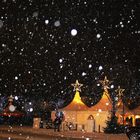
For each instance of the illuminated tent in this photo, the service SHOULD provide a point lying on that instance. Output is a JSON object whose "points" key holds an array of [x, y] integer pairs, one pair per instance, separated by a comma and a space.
{"points": [[10, 109], [125, 114], [78, 113]]}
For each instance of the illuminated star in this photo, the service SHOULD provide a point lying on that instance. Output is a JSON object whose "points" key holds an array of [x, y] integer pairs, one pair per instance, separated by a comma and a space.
{"points": [[120, 91], [105, 83], [77, 86], [10, 99]]}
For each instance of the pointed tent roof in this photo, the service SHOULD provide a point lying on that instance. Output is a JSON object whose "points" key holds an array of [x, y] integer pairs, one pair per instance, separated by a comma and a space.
{"points": [[103, 105], [78, 105]]}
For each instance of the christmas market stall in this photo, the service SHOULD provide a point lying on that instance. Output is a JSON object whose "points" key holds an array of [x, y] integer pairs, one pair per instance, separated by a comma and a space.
{"points": [[10, 114]]}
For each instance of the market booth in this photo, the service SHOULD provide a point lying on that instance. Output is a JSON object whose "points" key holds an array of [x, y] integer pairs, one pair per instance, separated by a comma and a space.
{"points": [[127, 116], [10, 114], [80, 117]]}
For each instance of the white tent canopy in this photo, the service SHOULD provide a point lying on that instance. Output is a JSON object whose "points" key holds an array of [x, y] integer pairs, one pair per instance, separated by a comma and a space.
{"points": [[78, 113]]}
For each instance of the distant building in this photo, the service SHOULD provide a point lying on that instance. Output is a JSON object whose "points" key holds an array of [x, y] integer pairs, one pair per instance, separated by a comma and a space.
{"points": [[127, 116], [10, 114]]}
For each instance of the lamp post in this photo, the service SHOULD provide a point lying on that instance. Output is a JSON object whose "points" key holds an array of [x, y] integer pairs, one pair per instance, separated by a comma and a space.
{"points": [[120, 93], [105, 84]]}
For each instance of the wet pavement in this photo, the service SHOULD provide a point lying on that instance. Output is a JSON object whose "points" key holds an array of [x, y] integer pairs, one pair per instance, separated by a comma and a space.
{"points": [[5, 135], [29, 133]]}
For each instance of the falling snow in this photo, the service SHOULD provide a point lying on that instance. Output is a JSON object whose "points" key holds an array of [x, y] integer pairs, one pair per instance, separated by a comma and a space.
{"points": [[46, 46], [73, 32]]}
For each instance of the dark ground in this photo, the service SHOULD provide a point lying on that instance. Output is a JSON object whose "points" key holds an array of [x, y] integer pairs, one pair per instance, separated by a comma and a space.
{"points": [[28, 133]]}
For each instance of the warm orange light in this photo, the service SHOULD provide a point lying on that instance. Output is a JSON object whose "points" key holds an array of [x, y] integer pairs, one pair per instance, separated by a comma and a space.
{"points": [[77, 98], [105, 95], [137, 116], [107, 104]]}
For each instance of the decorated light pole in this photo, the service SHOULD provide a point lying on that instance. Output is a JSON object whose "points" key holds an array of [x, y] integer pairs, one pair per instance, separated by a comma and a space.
{"points": [[112, 125], [105, 84], [120, 93]]}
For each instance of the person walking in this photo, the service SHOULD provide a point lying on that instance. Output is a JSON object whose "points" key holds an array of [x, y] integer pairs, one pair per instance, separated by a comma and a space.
{"points": [[57, 124]]}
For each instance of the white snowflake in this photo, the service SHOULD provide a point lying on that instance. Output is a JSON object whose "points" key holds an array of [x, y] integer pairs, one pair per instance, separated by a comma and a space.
{"points": [[57, 23], [73, 32]]}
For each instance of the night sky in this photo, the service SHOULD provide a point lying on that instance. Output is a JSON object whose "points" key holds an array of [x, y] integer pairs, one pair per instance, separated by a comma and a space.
{"points": [[45, 45]]}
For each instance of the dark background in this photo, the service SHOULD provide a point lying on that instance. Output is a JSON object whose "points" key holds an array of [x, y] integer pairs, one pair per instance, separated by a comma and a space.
{"points": [[39, 61]]}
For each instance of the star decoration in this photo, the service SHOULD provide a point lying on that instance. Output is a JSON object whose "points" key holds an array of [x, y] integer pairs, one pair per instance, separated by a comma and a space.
{"points": [[105, 83], [120, 91], [77, 86], [10, 99]]}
